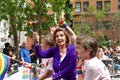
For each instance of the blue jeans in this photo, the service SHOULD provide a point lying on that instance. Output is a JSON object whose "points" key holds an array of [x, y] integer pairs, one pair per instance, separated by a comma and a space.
{"points": [[117, 67]]}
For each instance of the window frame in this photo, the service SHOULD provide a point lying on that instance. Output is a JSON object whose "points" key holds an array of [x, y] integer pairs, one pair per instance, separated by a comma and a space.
{"points": [[99, 3], [78, 7], [105, 4], [85, 8]]}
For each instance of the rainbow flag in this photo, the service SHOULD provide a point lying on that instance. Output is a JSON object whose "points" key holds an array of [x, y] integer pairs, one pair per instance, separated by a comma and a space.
{"points": [[4, 65]]}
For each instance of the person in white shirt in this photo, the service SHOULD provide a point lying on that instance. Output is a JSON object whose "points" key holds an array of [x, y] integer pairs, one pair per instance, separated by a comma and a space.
{"points": [[47, 69], [92, 68]]}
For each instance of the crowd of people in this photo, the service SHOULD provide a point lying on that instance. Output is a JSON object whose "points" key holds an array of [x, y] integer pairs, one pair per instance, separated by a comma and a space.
{"points": [[111, 58], [66, 56], [11, 51]]}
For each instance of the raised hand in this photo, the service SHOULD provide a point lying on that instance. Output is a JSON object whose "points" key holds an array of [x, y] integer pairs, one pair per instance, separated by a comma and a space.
{"points": [[62, 17], [36, 36]]}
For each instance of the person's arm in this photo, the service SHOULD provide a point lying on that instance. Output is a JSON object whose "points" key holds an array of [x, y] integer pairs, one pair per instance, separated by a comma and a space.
{"points": [[79, 69], [67, 28], [50, 78], [21, 55], [71, 33], [49, 70], [38, 51], [32, 54], [44, 53], [46, 74], [36, 38], [80, 77]]}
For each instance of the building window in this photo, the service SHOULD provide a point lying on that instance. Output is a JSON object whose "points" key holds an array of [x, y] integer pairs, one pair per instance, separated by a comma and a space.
{"points": [[78, 7], [99, 5], [85, 6], [107, 6], [118, 4]]}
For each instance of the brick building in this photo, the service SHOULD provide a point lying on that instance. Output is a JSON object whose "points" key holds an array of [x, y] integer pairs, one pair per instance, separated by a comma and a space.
{"points": [[111, 7], [81, 6]]}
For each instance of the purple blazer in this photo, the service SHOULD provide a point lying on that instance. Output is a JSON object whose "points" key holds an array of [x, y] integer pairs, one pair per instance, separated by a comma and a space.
{"points": [[65, 69]]}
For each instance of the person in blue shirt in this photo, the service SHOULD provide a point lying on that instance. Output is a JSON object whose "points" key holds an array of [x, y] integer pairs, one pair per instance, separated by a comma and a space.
{"points": [[24, 53]]}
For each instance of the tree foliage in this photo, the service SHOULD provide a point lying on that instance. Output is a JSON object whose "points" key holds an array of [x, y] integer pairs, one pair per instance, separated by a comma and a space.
{"points": [[20, 12]]}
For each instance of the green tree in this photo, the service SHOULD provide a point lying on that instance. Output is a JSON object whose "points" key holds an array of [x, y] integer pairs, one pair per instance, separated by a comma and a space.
{"points": [[90, 10], [90, 21], [115, 29], [101, 40], [20, 12], [85, 26]]}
